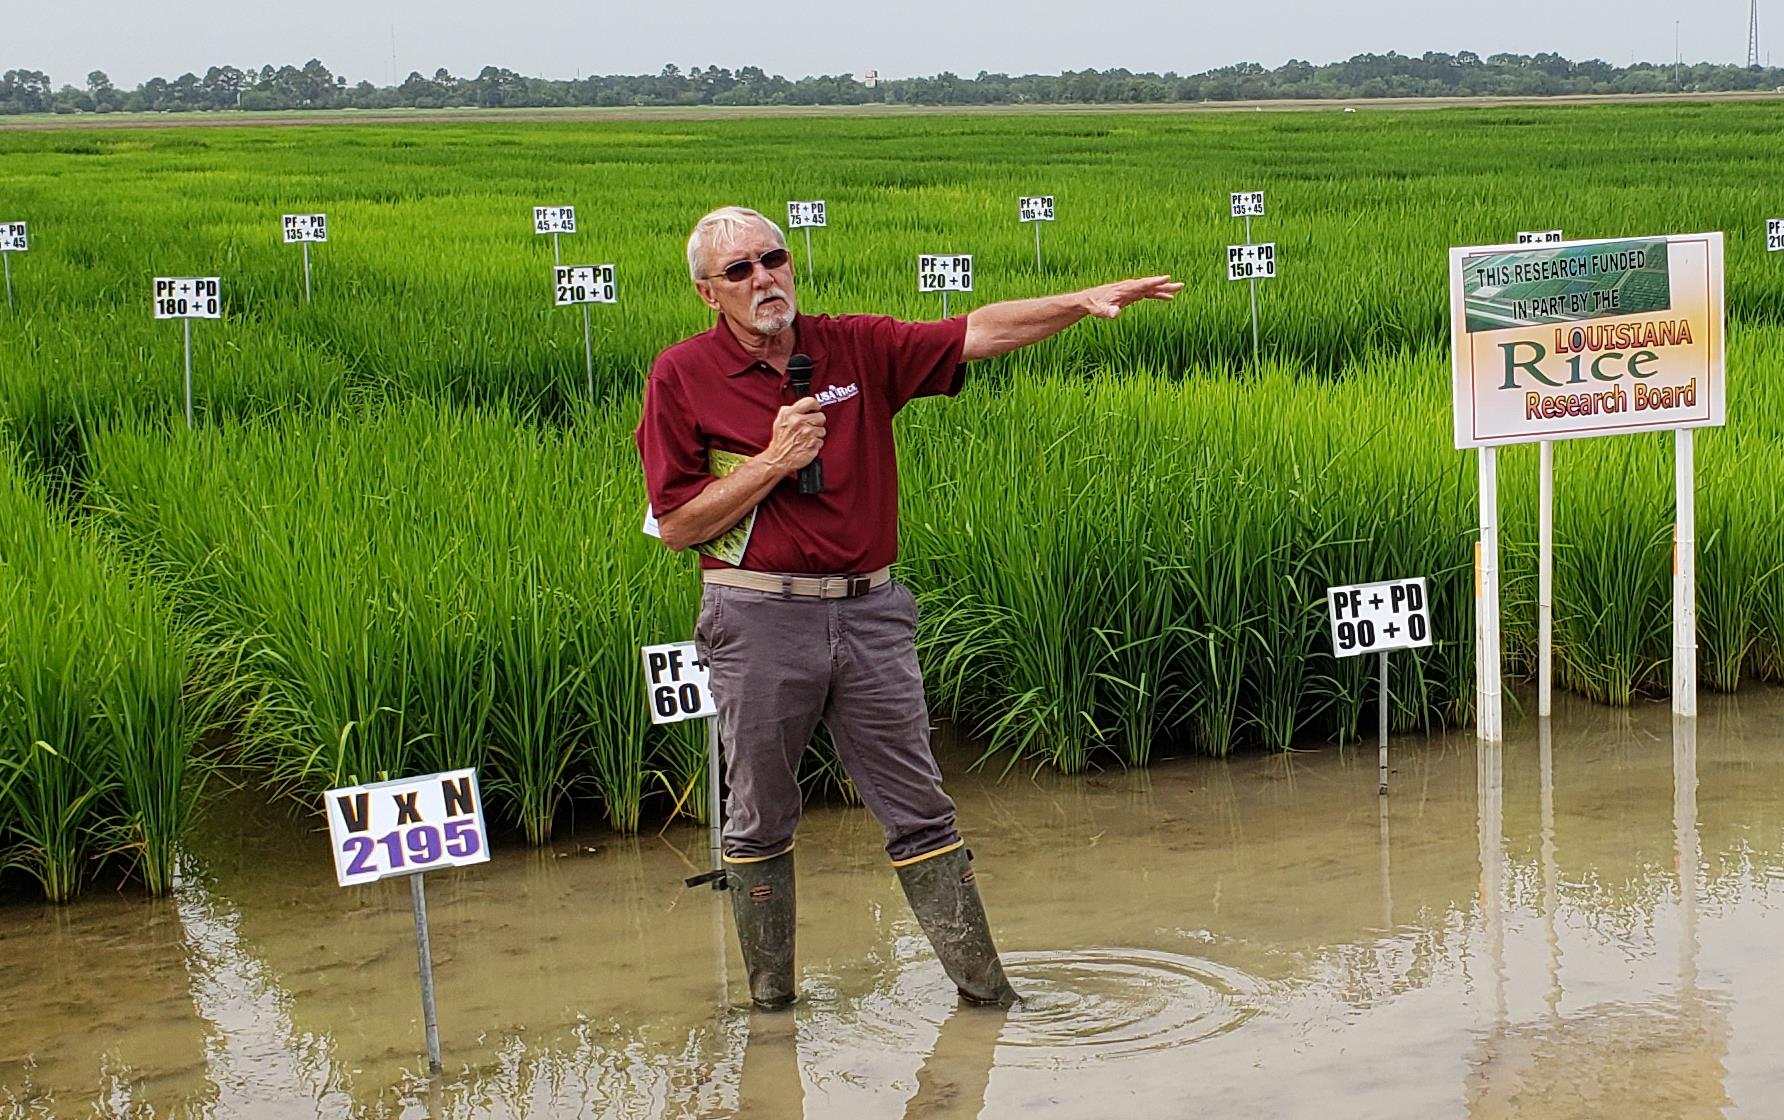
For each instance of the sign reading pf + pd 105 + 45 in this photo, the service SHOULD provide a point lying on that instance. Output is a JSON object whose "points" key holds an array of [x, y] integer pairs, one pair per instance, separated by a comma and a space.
{"points": [[1375, 617], [1586, 338], [405, 826]]}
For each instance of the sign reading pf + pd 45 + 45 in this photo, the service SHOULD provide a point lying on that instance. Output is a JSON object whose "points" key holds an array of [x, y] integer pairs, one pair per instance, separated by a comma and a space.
{"points": [[1375, 617], [678, 683], [404, 826]]}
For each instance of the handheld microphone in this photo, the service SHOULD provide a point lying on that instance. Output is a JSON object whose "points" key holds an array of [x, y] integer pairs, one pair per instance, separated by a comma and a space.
{"points": [[811, 476]]}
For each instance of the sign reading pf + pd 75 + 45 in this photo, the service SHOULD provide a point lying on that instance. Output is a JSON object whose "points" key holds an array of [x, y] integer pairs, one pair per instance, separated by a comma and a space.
{"points": [[405, 826], [1586, 338]]}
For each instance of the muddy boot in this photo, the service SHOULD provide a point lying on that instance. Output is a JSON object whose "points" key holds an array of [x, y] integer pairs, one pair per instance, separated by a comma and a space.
{"points": [[945, 898], [762, 902]]}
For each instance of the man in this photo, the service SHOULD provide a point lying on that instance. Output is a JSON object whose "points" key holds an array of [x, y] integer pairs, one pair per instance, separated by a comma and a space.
{"points": [[799, 620]]}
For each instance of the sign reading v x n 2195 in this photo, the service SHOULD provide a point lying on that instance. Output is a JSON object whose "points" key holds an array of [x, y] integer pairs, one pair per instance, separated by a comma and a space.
{"points": [[1373, 617], [404, 826]]}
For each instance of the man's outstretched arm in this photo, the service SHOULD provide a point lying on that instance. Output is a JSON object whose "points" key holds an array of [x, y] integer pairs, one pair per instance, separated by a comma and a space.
{"points": [[999, 328]]}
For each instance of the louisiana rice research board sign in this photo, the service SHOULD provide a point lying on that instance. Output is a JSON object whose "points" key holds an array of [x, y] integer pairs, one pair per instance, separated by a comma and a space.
{"points": [[1579, 339]]}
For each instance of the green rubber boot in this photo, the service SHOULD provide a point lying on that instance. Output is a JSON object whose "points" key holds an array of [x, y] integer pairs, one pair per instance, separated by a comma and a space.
{"points": [[945, 897], [763, 903]]}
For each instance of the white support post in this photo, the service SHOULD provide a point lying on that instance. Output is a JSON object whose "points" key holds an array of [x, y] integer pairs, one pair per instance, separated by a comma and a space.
{"points": [[306, 272], [1254, 342], [557, 258], [1489, 724], [588, 354], [425, 961], [1685, 579], [188, 325], [944, 303], [6, 259], [714, 810], [1037, 247], [1545, 584], [1383, 707], [808, 261]]}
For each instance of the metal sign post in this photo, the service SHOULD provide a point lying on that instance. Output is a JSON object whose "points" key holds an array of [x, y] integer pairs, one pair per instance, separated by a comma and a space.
{"points": [[1377, 618], [583, 284], [15, 237], [807, 216], [303, 229], [1574, 339], [408, 827], [944, 273], [1247, 205], [188, 298], [554, 220], [1035, 209], [678, 686]]}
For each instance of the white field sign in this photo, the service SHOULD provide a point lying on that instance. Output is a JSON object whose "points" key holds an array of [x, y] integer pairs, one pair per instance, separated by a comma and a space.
{"points": [[401, 827], [1034, 208], [1251, 262], [944, 273], [1376, 617], [14, 237], [1248, 204], [305, 227], [188, 297], [677, 683], [1579, 339], [1540, 237], [584, 283], [1774, 235], [554, 219], [806, 215]]}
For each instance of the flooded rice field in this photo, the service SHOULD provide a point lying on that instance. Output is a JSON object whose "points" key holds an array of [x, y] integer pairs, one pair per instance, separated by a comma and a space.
{"points": [[1583, 923]]}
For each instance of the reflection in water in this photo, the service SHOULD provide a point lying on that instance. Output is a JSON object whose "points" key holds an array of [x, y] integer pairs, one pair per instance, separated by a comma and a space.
{"points": [[1253, 917]]}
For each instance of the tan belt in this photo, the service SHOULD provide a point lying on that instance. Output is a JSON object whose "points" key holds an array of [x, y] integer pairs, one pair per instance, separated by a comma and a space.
{"points": [[847, 586]]}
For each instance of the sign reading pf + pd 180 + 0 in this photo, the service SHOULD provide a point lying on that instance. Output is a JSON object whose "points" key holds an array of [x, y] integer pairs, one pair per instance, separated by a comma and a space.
{"points": [[1586, 338], [405, 826]]}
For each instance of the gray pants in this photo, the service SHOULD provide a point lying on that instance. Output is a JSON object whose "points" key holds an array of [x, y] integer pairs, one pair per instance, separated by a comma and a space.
{"points": [[779, 665]]}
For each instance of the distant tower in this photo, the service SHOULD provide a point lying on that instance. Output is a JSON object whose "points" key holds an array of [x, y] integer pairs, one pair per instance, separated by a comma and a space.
{"points": [[1753, 35]]}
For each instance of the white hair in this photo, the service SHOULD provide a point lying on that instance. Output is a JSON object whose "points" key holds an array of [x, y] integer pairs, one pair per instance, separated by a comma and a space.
{"points": [[730, 220]]}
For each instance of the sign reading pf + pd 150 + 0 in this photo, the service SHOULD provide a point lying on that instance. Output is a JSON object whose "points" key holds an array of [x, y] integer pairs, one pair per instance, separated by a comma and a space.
{"points": [[1586, 338]]}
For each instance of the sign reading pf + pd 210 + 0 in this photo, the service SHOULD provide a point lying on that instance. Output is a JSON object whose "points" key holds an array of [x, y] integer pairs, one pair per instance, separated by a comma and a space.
{"points": [[1587, 338], [1376, 617], [404, 826]]}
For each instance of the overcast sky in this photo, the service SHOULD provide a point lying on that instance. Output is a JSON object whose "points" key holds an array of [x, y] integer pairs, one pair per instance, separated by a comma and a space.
{"points": [[135, 39]]}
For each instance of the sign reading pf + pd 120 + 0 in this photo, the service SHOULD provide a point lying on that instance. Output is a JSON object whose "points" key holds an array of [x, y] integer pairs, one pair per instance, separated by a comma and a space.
{"points": [[1586, 338]]}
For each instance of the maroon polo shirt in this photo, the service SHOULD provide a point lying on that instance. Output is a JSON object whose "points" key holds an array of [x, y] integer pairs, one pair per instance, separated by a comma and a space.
{"points": [[707, 392]]}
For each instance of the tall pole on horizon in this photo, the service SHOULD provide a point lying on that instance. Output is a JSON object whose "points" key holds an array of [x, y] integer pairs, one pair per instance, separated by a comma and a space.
{"points": [[1753, 34]]}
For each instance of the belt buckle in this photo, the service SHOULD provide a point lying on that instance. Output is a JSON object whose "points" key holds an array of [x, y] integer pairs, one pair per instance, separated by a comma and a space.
{"points": [[858, 586]]}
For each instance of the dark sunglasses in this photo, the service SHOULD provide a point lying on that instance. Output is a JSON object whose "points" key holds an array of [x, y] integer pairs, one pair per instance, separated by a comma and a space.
{"points": [[739, 271]]}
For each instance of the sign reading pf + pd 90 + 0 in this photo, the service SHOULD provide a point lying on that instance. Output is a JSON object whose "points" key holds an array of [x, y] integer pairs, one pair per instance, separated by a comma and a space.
{"points": [[404, 826], [1375, 617]]}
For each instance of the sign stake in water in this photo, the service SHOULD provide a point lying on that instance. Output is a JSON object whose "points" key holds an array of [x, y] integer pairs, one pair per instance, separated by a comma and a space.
{"points": [[1035, 209], [406, 828], [188, 298], [425, 960], [15, 237], [305, 229], [1377, 618], [808, 216], [1545, 581], [945, 273], [583, 284], [1685, 576]]}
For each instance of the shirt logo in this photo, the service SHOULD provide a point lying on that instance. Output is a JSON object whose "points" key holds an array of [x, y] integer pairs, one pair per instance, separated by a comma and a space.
{"points": [[837, 394]]}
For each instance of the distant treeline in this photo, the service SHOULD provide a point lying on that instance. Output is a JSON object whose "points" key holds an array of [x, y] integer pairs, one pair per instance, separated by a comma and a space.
{"points": [[314, 86]]}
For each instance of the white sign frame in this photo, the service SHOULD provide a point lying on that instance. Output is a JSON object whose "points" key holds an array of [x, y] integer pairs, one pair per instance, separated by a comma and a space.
{"points": [[388, 815], [946, 268], [808, 214], [300, 229], [1035, 208], [596, 280], [1248, 204], [1251, 262], [671, 670], [15, 237]]}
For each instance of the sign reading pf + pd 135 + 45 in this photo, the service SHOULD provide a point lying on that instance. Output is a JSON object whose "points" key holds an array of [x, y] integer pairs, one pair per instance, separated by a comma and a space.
{"points": [[1586, 338], [405, 826], [305, 227], [1376, 617]]}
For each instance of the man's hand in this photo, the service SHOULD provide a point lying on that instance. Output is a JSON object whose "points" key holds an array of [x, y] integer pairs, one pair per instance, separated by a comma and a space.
{"points": [[1106, 302], [798, 436], [999, 328]]}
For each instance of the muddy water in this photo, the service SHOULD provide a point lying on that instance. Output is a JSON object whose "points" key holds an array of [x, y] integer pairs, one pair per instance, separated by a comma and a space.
{"points": [[1582, 924]]}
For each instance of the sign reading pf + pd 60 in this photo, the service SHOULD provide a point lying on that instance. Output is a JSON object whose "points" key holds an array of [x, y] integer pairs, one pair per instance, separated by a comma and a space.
{"points": [[678, 683], [1375, 617], [404, 826]]}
